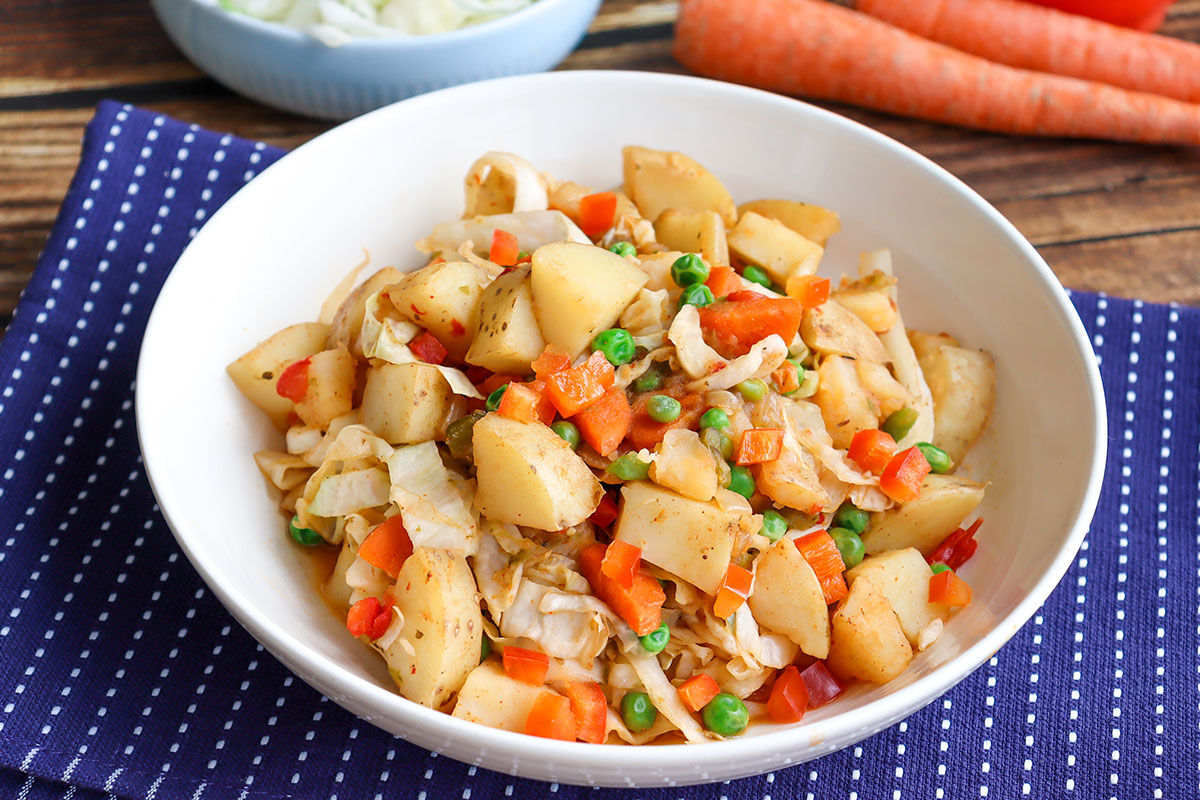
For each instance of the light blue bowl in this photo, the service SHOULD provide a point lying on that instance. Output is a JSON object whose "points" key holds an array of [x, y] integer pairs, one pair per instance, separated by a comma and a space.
{"points": [[290, 70]]}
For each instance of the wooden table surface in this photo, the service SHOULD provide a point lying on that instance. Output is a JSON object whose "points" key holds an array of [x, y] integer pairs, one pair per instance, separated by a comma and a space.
{"points": [[1118, 218]]}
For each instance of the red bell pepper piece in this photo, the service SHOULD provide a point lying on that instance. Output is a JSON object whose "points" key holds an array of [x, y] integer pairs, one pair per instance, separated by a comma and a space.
{"points": [[744, 318], [948, 589], [872, 449], [735, 588], [527, 666], [723, 281], [957, 548], [550, 717], [597, 212], [605, 513], [553, 359], [293, 381], [504, 249], [388, 546], [368, 617], [821, 553], [810, 290], [574, 389], [427, 348], [902, 477], [645, 433], [822, 686], [789, 697], [639, 605], [590, 708]]}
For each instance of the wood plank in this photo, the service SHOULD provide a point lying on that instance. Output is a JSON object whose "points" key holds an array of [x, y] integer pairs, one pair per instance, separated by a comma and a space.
{"points": [[1162, 268]]}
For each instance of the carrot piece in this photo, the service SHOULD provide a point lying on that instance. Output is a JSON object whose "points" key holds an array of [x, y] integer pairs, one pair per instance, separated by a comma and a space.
{"points": [[760, 444], [505, 248], [645, 433], [825, 51], [822, 555], [427, 348], [742, 319], [590, 708], [789, 697], [697, 691], [872, 449], [605, 513], [1048, 40], [786, 379], [1142, 15], [735, 588], [605, 422], [810, 290], [387, 547], [574, 389], [370, 618], [948, 589], [293, 381], [527, 666], [621, 562], [902, 477], [723, 281], [553, 359], [639, 605], [550, 717], [597, 212]]}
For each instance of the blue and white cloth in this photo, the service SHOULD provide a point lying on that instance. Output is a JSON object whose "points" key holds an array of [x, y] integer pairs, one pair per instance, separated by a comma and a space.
{"points": [[122, 676]]}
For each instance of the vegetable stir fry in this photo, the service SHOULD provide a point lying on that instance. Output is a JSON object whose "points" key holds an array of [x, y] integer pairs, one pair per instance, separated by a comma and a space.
{"points": [[618, 466]]}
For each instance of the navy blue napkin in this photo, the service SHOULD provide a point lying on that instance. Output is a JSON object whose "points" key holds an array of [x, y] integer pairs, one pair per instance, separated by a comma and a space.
{"points": [[121, 675]]}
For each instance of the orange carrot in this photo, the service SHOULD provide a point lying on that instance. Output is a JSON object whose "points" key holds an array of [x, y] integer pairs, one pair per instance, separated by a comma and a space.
{"points": [[723, 281], [735, 588], [1047, 40], [387, 547], [949, 590], [823, 556], [639, 605], [504, 249], [825, 51], [574, 389], [621, 562], [527, 666], [553, 359], [550, 717], [742, 319], [605, 422], [758, 445], [697, 690], [645, 433], [596, 213]]}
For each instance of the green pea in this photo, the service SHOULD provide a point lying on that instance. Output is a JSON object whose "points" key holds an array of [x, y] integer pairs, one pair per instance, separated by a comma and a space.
{"points": [[774, 525], [849, 545], [753, 390], [938, 458], [757, 275], [485, 649], [718, 442], [522, 255], [851, 517], [940, 568], [616, 344], [664, 408], [304, 536], [649, 380], [714, 418], [493, 399], [656, 640], [637, 712], [689, 270], [460, 433], [568, 432], [726, 715], [900, 422], [629, 468], [741, 481], [624, 249], [696, 295]]}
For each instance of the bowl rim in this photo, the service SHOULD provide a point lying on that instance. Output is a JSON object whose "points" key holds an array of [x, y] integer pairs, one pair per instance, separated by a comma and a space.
{"points": [[299, 37], [324, 671]]}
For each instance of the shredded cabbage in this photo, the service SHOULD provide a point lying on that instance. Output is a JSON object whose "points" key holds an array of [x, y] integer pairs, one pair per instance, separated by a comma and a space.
{"points": [[764, 358], [350, 491], [532, 229], [431, 500]]}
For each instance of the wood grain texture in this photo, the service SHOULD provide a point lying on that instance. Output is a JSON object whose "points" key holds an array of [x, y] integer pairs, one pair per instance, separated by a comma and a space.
{"points": [[1107, 217]]}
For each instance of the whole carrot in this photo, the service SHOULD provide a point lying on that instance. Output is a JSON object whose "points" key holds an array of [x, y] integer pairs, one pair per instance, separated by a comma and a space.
{"points": [[825, 51], [1045, 40]]}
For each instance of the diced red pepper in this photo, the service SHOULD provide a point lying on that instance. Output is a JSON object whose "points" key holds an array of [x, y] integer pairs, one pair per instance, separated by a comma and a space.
{"points": [[597, 213], [621, 562], [789, 697], [957, 548], [590, 708], [576, 388], [527, 666], [872, 449], [427, 348], [902, 477], [948, 589], [553, 359], [744, 318], [821, 553], [368, 617], [810, 290], [723, 281], [526, 402], [822, 686], [293, 381], [550, 717], [495, 381], [786, 378], [758, 445], [735, 588], [639, 605], [697, 691], [605, 513], [388, 546], [604, 423], [504, 249]]}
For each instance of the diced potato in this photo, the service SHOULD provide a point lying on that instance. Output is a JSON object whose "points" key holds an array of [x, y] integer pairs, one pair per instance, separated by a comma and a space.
{"points": [[529, 476], [331, 378], [444, 299], [774, 246], [406, 403], [566, 197], [491, 698], [845, 405], [963, 385], [580, 290], [925, 344], [887, 392], [657, 180], [867, 641], [945, 501], [435, 593], [700, 232], [792, 481], [870, 298], [788, 599], [685, 465], [347, 322], [256, 372], [686, 537], [833, 328], [811, 222], [507, 338], [902, 576]]}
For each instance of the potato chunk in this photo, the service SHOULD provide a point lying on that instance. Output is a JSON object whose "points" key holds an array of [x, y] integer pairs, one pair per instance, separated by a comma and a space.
{"points": [[945, 501], [347, 322], [686, 537], [331, 378], [256, 372], [963, 385], [811, 222], [658, 179], [845, 405], [870, 298], [406, 403], [685, 465], [775, 247], [444, 299], [435, 593], [831, 328], [792, 481], [491, 698], [902, 576], [529, 476], [867, 641], [787, 598], [700, 232], [507, 338], [580, 290]]}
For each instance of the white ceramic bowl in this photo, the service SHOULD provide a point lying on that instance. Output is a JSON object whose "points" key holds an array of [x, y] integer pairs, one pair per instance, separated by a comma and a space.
{"points": [[254, 269], [288, 69]]}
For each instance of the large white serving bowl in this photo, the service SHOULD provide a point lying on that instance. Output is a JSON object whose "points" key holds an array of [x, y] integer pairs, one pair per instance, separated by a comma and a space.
{"points": [[270, 256]]}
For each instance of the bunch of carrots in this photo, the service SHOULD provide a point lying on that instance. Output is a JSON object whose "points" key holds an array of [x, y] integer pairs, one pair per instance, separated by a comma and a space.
{"points": [[998, 65]]}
